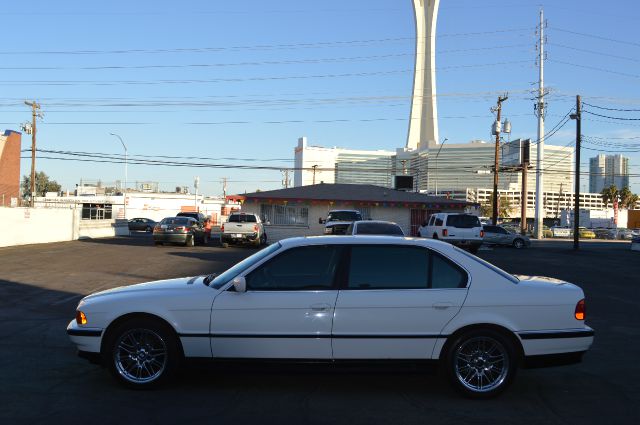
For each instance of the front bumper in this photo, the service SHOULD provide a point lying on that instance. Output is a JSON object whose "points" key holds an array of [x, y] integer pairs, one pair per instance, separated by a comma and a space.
{"points": [[85, 338]]}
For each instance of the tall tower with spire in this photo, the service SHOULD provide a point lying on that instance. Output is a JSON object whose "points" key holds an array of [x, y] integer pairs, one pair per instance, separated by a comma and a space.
{"points": [[423, 123]]}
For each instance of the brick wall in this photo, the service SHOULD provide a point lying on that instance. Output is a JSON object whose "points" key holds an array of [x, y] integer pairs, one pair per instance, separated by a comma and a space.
{"points": [[10, 145]]}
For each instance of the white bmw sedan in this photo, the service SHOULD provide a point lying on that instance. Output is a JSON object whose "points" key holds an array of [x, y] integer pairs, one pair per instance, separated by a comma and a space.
{"points": [[334, 298]]}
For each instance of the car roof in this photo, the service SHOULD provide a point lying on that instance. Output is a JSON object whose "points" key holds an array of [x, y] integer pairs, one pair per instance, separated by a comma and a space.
{"points": [[366, 239], [375, 221]]}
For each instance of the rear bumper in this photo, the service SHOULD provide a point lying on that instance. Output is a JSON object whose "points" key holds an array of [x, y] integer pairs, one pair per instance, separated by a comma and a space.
{"points": [[239, 237], [556, 342], [464, 243], [170, 237]]}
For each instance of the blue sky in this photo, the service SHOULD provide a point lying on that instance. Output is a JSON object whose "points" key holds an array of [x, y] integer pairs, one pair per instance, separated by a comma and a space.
{"points": [[245, 80]]}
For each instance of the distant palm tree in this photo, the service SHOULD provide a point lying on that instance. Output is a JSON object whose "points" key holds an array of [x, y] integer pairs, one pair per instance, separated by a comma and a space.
{"points": [[611, 195], [627, 199]]}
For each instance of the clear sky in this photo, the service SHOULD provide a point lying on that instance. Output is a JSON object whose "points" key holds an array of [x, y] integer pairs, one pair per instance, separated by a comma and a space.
{"points": [[246, 79]]}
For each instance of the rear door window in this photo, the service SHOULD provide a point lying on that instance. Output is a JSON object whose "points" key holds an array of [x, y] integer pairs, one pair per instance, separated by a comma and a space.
{"points": [[463, 221]]}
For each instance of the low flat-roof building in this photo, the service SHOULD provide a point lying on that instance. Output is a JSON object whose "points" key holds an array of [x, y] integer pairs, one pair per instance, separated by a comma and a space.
{"points": [[296, 211]]}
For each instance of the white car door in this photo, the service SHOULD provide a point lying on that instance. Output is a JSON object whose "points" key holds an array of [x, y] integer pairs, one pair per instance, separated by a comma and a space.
{"points": [[395, 302], [286, 312]]}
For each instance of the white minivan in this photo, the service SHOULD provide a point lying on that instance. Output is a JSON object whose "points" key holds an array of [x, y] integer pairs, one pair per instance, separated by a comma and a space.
{"points": [[463, 230]]}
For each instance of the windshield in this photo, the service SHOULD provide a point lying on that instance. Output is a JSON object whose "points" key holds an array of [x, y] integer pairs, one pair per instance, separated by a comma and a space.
{"points": [[498, 270], [243, 265], [379, 229], [344, 216], [463, 221]]}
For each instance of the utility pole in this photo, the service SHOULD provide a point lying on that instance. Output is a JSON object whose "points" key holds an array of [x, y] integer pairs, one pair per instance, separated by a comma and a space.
{"points": [[314, 173], [34, 114], [525, 153], [540, 112], [285, 180], [576, 208], [224, 187], [496, 162]]}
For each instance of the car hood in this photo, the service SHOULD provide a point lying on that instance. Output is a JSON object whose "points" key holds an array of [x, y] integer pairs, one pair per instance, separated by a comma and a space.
{"points": [[158, 285]]}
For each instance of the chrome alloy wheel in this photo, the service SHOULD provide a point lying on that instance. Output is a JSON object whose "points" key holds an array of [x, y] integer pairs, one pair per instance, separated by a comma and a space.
{"points": [[481, 364], [140, 356]]}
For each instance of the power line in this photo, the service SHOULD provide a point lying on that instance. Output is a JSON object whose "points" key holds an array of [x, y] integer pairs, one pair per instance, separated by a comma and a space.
{"points": [[599, 37], [318, 44], [612, 118], [611, 109]]}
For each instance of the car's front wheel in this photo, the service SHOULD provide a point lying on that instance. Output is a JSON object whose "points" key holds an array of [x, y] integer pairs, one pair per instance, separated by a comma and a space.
{"points": [[142, 353], [481, 363], [518, 243]]}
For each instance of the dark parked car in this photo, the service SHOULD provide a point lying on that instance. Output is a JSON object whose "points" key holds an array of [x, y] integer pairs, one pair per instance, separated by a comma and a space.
{"points": [[141, 224], [183, 230], [371, 227]]}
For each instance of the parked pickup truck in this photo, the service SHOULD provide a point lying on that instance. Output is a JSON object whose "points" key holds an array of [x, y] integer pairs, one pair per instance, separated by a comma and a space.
{"points": [[243, 228], [338, 221]]}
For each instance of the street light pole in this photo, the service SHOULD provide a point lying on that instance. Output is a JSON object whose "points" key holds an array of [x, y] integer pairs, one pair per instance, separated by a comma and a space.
{"points": [[436, 160], [124, 191]]}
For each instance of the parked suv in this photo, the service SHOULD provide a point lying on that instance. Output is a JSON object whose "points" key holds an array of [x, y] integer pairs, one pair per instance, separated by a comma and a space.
{"points": [[338, 221], [463, 230]]}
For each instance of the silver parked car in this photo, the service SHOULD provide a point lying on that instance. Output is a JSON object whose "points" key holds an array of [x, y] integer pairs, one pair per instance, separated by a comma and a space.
{"points": [[498, 235]]}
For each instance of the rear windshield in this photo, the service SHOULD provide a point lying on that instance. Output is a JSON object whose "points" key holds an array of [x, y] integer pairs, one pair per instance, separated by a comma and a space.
{"points": [[463, 221], [379, 229], [242, 218], [175, 221], [344, 216]]}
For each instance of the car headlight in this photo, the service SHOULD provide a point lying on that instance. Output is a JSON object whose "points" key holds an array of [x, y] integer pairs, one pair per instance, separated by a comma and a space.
{"points": [[81, 318]]}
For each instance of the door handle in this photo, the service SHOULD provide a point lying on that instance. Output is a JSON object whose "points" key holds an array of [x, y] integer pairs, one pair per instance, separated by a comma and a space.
{"points": [[320, 307], [442, 306]]}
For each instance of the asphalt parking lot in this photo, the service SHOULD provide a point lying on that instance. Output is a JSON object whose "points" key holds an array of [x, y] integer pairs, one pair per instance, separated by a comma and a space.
{"points": [[43, 382]]}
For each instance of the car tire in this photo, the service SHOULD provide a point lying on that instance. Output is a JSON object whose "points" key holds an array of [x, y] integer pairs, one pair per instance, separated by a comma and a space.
{"points": [[467, 363], [263, 239], [190, 241], [225, 245], [435, 236], [142, 353], [157, 243], [148, 229], [518, 243], [205, 239]]}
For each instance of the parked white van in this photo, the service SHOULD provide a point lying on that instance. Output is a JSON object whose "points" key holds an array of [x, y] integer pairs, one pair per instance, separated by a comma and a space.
{"points": [[463, 230]]}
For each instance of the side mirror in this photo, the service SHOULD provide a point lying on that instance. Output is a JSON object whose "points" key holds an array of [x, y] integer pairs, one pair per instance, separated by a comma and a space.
{"points": [[240, 284]]}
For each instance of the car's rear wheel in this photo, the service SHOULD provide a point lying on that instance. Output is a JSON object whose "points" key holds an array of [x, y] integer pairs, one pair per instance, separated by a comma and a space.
{"points": [[157, 243], [148, 229], [142, 353], [205, 239], [518, 243], [263, 239], [189, 241], [225, 245], [481, 363]]}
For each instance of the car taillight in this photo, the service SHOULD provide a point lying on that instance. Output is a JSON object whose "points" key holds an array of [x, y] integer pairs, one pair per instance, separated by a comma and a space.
{"points": [[222, 228], [581, 310], [482, 233], [255, 227], [180, 228], [156, 229], [445, 232]]}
